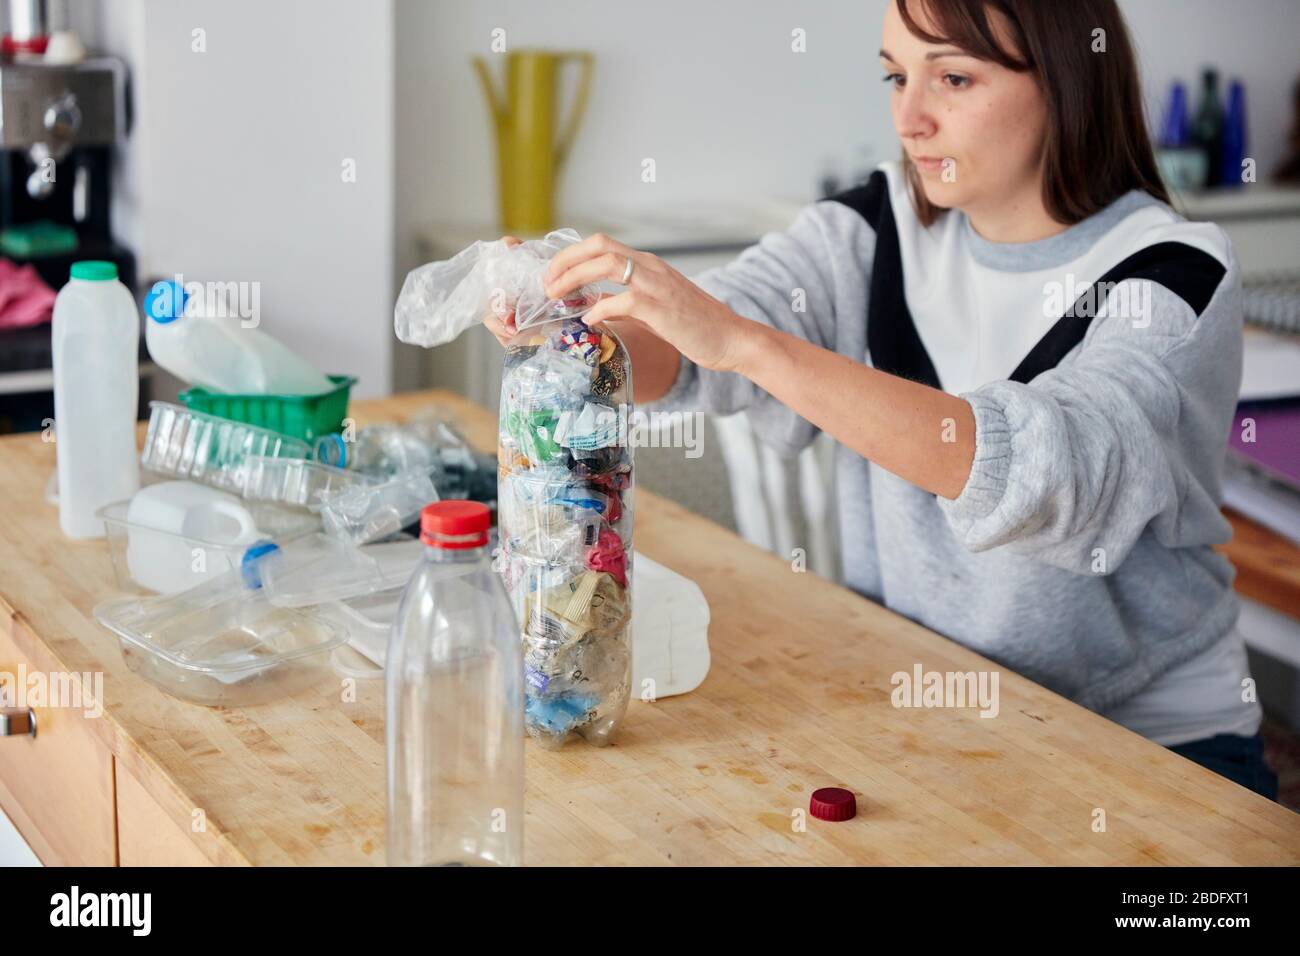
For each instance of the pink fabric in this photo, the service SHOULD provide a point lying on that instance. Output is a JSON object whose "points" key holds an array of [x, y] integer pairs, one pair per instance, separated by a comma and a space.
{"points": [[25, 299]]}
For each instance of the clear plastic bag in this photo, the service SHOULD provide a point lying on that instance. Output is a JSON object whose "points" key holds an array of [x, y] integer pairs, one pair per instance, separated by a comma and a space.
{"points": [[565, 520], [440, 300]]}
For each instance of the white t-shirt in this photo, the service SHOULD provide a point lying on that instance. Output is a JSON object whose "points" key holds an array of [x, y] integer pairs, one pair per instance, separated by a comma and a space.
{"points": [[1199, 698]]}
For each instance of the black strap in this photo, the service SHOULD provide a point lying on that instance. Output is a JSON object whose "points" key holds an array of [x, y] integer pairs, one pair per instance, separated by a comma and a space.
{"points": [[1184, 270], [894, 344]]}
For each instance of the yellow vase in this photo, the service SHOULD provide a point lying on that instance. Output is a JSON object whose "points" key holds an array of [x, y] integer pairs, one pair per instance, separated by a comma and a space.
{"points": [[531, 144]]}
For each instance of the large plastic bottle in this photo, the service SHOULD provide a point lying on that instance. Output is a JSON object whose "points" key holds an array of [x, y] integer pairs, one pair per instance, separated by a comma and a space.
{"points": [[96, 340], [455, 696], [219, 353], [564, 502]]}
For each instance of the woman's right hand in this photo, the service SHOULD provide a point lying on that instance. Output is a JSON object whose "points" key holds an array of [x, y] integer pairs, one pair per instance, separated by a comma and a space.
{"points": [[503, 325]]}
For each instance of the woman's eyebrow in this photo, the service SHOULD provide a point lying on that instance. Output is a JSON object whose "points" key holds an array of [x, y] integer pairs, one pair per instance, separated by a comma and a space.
{"points": [[933, 55]]}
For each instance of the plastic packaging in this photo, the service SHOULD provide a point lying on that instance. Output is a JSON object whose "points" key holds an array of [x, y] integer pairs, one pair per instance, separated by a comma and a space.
{"points": [[95, 339], [565, 520], [300, 416], [175, 534], [219, 353], [440, 300], [185, 444], [221, 644], [317, 568], [366, 512], [369, 623], [297, 482], [454, 692]]}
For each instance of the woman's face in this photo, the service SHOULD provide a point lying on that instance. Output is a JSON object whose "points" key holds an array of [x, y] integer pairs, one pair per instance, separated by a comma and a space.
{"points": [[973, 128]]}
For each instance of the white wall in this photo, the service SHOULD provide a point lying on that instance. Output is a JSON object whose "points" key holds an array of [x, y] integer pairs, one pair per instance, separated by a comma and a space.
{"points": [[233, 171], [714, 94]]}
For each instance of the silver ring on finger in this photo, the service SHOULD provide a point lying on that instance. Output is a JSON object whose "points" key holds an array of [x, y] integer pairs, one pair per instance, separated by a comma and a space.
{"points": [[627, 272]]}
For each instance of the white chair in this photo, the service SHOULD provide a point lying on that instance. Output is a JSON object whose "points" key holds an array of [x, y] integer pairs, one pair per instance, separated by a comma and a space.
{"points": [[759, 480]]}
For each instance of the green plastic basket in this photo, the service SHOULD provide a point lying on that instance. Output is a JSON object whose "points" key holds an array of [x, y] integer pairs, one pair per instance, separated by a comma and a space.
{"points": [[302, 416]]}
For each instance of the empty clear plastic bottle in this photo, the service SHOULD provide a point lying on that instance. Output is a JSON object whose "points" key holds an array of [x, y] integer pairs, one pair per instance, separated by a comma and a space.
{"points": [[455, 698]]}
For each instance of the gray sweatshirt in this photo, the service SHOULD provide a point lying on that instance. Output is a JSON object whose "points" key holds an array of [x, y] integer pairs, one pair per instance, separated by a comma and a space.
{"points": [[1103, 367]]}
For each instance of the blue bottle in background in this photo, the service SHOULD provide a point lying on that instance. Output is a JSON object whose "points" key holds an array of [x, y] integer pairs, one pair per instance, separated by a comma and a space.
{"points": [[1175, 131], [1234, 135]]}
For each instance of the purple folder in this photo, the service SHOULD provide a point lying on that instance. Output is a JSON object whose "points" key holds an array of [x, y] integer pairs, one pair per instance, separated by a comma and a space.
{"points": [[1276, 448]]}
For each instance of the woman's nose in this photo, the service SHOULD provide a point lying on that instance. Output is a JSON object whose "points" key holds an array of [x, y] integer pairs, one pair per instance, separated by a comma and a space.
{"points": [[912, 117]]}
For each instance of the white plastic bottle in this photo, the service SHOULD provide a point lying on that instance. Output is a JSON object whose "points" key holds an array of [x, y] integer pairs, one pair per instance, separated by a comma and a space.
{"points": [[220, 354], [96, 338], [455, 696]]}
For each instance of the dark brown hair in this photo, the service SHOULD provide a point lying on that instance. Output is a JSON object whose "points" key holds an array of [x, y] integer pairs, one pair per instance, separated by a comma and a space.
{"points": [[1096, 146]]}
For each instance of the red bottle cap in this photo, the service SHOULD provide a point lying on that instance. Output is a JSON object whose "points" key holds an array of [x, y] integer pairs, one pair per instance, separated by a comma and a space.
{"points": [[833, 803], [455, 524], [36, 44]]}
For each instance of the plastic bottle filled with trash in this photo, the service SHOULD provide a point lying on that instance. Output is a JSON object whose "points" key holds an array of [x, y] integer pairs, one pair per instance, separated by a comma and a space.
{"points": [[455, 734], [565, 517], [564, 495]]}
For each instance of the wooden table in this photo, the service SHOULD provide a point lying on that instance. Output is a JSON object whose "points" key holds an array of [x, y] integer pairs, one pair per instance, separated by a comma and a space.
{"points": [[798, 698]]}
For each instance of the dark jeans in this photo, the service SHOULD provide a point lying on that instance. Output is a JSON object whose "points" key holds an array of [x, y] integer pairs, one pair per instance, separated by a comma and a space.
{"points": [[1240, 759]]}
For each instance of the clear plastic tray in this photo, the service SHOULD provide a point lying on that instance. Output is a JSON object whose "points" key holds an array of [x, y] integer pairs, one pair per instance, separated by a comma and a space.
{"points": [[221, 645], [369, 623], [297, 482], [360, 513], [185, 444], [317, 568], [148, 559]]}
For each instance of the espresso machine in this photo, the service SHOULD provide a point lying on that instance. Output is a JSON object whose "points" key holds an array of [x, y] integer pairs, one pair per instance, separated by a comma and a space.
{"points": [[62, 114]]}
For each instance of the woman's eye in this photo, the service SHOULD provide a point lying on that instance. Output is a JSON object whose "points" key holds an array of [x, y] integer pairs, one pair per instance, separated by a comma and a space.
{"points": [[896, 79], [956, 80]]}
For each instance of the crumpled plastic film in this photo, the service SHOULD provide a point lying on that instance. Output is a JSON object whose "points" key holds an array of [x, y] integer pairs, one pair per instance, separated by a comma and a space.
{"points": [[440, 300], [564, 501]]}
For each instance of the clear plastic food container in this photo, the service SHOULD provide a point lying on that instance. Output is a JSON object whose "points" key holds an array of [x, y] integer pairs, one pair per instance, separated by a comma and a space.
{"points": [[185, 444], [148, 559], [297, 482], [222, 645]]}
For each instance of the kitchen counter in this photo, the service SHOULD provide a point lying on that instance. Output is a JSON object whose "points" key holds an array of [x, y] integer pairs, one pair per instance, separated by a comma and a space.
{"points": [[799, 697]]}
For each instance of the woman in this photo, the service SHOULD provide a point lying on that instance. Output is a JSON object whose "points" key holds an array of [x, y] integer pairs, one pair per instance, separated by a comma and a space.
{"points": [[1029, 361]]}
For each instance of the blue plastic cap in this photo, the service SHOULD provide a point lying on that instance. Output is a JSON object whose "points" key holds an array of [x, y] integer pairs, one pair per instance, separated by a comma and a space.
{"points": [[250, 564], [165, 302], [331, 449]]}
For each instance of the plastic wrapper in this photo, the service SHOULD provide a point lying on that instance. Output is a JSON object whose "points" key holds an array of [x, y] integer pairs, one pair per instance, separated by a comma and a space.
{"points": [[440, 300], [565, 519]]}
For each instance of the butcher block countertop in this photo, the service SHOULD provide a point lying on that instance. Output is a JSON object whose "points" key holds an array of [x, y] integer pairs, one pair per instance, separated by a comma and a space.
{"points": [[798, 697]]}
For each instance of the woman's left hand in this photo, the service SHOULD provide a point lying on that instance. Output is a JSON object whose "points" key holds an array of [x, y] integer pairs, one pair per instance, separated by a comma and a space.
{"points": [[657, 296]]}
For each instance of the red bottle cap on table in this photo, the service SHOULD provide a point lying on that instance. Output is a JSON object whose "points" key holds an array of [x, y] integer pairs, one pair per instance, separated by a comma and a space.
{"points": [[455, 524], [833, 803]]}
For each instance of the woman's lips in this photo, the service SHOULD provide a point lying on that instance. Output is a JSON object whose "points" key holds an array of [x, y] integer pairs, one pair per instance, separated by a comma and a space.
{"points": [[928, 164]]}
